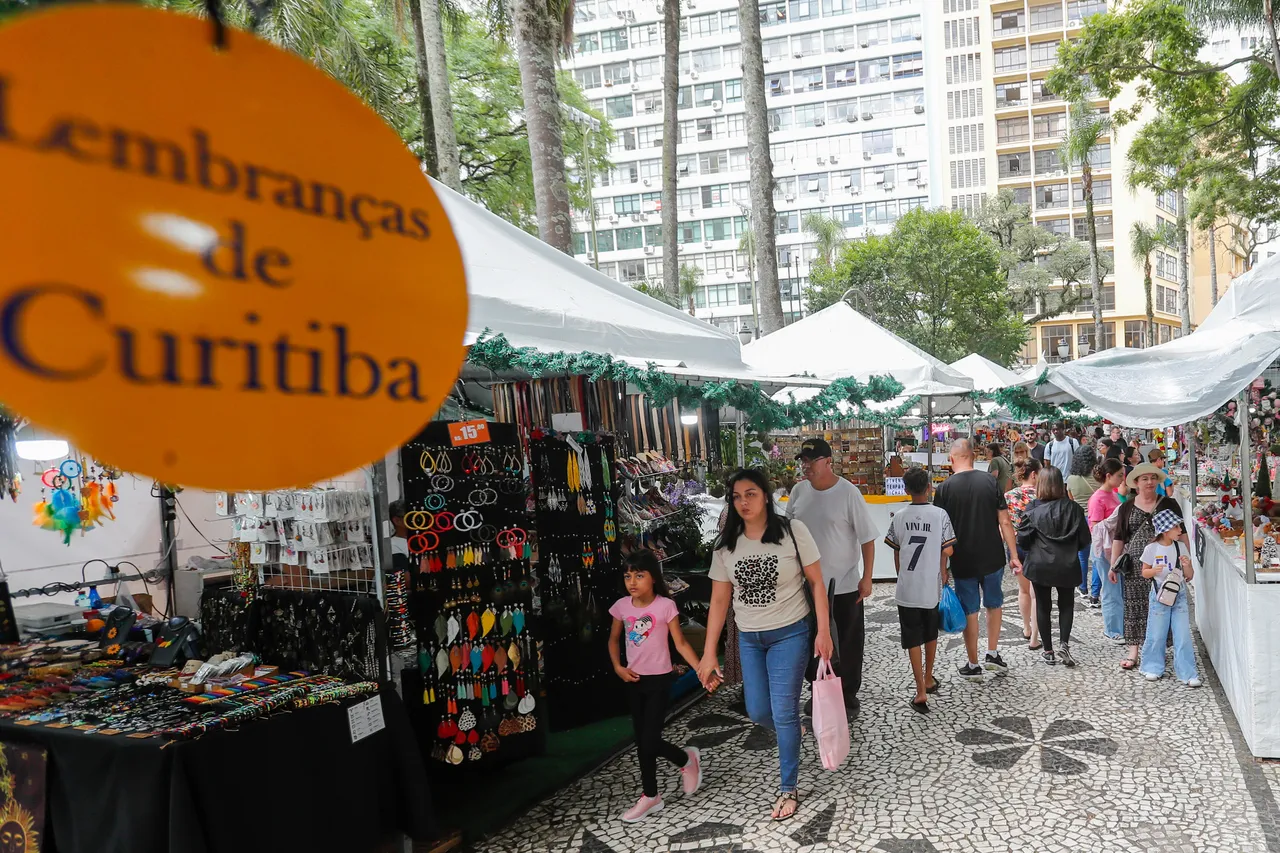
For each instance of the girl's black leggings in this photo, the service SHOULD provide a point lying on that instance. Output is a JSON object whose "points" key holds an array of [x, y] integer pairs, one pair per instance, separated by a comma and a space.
{"points": [[1066, 612], [649, 699]]}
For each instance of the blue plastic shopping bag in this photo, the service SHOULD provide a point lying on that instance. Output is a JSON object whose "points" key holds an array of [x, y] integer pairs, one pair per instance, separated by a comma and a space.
{"points": [[953, 618]]}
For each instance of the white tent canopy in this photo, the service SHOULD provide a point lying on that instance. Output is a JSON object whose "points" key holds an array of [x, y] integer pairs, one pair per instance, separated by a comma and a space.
{"points": [[539, 297], [1189, 377], [839, 342], [985, 373]]}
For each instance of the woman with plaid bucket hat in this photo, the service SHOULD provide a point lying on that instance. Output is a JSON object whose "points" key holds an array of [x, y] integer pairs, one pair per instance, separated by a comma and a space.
{"points": [[1134, 531], [1167, 564]]}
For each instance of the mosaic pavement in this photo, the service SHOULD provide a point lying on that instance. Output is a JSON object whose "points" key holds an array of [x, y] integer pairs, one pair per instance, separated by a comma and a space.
{"points": [[1045, 759]]}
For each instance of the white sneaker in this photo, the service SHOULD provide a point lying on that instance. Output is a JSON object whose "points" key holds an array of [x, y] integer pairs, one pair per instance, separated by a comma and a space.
{"points": [[1193, 682], [642, 809], [1149, 677]]}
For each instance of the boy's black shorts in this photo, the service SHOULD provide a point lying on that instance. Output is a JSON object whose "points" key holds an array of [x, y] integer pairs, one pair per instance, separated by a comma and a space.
{"points": [[920, 625]]}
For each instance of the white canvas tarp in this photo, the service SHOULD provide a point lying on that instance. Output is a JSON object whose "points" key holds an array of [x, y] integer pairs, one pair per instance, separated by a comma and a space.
{"points": [[1186, 378], [838, 342], [985, 373], [539, 297]]}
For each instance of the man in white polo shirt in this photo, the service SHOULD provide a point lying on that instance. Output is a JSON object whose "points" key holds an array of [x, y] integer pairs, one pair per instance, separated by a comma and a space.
{"points": [[836, 514]]}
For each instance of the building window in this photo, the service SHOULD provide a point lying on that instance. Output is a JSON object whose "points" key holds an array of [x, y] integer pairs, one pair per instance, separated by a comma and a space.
{"points": [[706, 94], [1085, 332], [908, 65], [804, 10], [813, 184], [1049, 196], [882, 213], [1048, 162], [729, 21], [905, 103], [620, 107], [1010, 59], [653, 236], [719, 295], [1166, 299], [1079, 10], [1135, 333], [837, 7], [849, 215], [733, 90], [842, 75], [1052, 337], [611, 40], [772, 14], [1047, 16], [701, 26], [629, 238], [1008, 23], [773, 49], [649, 69], [707, 59], [1012, 130], [1061, 227], [873, 70], [1101, 192], [715, 196], [906, 29], [688, 199], [718, 229], [1048, 125], [808, 79], [1108, 298], [1100, 157], [1044, 53], [617, 74], [811, 115], [780, 119], [1040, 92], [788, 222], [1011, 94], [1168, 201], [718, 262], [588, 78], [1101, 223], [873, 35], [690, 232], [1013, 165], [878, 141]]}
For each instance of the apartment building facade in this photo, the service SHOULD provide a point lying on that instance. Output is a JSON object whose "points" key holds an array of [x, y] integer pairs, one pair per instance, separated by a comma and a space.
{"points": [[1004, 127], [850, 124]]}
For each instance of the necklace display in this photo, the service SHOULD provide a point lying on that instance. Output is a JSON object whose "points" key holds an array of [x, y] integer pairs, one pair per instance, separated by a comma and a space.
{"points": [[470, 547], [578, 565]]}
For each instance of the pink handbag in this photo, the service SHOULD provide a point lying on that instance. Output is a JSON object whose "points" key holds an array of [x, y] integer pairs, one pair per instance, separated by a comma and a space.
{"points": [[830, 724]]}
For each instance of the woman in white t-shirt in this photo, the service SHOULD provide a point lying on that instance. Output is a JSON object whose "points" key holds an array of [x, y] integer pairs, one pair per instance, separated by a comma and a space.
{"points": [[761, 563]]}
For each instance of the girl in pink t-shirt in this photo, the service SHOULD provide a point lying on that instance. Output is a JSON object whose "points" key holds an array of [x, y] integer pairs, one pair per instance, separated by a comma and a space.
{"points": [[643, 620]]}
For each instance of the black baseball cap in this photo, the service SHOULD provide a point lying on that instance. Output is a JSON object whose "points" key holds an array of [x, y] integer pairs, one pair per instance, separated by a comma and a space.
{"points": [[814, 448]]}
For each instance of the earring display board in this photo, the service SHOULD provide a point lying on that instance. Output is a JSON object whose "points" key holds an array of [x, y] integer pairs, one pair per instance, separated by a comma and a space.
{"points": [[467, 510], [579, 573]]}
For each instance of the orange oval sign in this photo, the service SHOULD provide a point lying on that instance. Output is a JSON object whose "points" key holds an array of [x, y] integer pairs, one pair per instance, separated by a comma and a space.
{"points": [[221, 268]]}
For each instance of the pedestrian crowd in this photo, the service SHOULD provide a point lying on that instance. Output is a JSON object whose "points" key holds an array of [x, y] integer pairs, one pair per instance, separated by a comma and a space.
{"points": [[1075, 517]]}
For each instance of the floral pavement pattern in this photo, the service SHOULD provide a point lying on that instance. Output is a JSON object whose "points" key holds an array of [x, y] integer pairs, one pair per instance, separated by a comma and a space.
{"points": [[1044, 760]]}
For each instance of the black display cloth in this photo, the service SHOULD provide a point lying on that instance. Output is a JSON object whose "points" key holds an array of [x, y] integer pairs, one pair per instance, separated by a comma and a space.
{"points": [[294, 781]]}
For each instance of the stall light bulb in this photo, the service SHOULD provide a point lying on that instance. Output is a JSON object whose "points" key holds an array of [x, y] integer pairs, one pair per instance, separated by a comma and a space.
{"points": [[689, 419], [41, 450]]}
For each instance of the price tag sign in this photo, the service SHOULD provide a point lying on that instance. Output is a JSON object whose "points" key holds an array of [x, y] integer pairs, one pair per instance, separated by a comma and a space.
{"points": [[469, 432]]}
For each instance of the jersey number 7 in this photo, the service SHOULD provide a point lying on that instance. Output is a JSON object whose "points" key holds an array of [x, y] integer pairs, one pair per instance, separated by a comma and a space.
{"points": [[919, 542]]}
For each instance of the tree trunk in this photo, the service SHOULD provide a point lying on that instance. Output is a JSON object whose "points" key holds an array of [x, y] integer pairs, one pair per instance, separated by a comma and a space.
{"points": [[764, 218], [1213, 266], [1269, 16], [670, 136], [1184, 267], [429, 157], [441, 99], [536, 37], [1151, 308], [1086, 176]]}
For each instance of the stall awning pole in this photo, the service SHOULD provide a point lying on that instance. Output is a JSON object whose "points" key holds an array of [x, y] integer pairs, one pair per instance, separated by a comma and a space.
{"points": [[928, 436], [740, 431], [1246, 487]]}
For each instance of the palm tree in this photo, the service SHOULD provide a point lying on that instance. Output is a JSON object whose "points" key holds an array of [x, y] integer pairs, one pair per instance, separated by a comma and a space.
{"points": [[670, 136], [1143, 240], [432, 54], [1184, 266], [429, 158], [747, 246], [1240, 14], [1087, 130], [542, 27], [764, 218], [828, 235], [690, 278]]}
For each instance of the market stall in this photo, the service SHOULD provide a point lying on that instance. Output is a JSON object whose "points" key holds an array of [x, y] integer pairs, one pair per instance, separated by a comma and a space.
{"points": [[1212, 381]]}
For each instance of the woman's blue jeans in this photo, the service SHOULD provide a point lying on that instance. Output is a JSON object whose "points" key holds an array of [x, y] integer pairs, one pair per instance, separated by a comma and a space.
{"points": [[1112, 599], [773, 665]]}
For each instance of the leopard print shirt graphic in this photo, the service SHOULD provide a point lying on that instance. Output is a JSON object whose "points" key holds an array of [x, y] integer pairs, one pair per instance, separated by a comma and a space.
{"points": [[756, 579]]}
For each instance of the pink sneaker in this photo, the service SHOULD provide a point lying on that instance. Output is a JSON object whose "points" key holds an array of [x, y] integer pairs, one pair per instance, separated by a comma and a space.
{"points": [[691, 773], [642, 809]]}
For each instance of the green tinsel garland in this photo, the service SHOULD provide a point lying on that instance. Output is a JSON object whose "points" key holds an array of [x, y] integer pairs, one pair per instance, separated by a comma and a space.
{"points": [[760, 412], [1023, 407]]}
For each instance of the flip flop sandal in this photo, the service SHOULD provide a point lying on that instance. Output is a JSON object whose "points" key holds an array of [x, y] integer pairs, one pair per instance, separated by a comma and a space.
{"points": [[920, 707], [934, 687], [1129, 663], [789, 795]]}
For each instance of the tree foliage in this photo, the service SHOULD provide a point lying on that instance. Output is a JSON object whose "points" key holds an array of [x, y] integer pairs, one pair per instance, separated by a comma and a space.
{"points": [[936, 280]]}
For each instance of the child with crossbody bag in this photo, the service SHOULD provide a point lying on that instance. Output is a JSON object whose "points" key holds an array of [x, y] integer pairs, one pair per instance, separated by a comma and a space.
{"points": [[1164, 563]]}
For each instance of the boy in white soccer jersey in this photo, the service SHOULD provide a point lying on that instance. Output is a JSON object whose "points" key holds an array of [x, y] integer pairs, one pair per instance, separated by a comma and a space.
{"points": [[921, 538]]}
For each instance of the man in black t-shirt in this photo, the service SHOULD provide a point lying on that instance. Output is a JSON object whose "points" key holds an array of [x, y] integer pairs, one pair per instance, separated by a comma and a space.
{"points": [[983, 530]]}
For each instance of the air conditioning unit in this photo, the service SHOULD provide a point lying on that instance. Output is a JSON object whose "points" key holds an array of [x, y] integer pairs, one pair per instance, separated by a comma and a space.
{"points": [[798, 54], [706, 244], [822, 196], [834, 159], [919, 37], [819, 122], [613, 217], [822, 161], [693, 75], [717, 106], [1074, 22], [648, 250], [692, 211], [855, 191], [919, 109], [729, 273], [691, 4], [791, 198], [590, 257], [902, 152], [635, 87], [635, 217], [867, 116], [851, 117], [866, 44], [645, 182], [866, 155], [888, 186], [657, 143], [839, 48], [653, 31], [922, 182]]}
